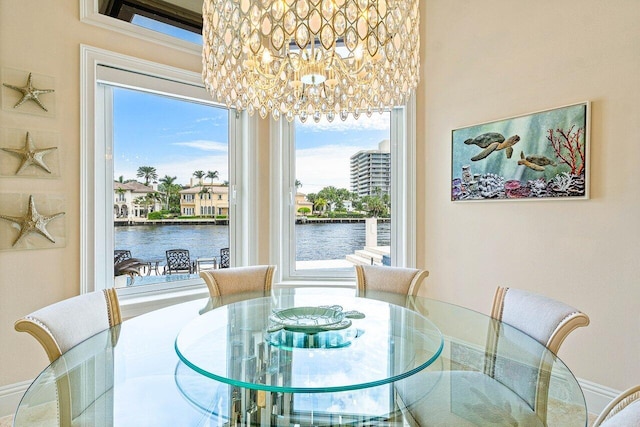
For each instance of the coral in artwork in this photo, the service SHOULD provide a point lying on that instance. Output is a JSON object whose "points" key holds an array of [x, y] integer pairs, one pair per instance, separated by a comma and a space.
{"points": [[569, 147]]}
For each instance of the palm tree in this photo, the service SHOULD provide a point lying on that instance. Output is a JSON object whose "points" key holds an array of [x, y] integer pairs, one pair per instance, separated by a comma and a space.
{"points": [[298, 184], [320, 204], [199, 174], [212, 175], [148, 173], [204, 190], [168, 186]]}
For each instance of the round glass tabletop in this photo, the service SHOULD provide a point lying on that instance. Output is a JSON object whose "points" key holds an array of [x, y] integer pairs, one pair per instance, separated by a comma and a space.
{"points": [[308, 345]]}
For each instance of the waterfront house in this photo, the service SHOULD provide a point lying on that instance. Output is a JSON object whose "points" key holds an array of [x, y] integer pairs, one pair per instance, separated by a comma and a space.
{"points": [[479, 61], [302, 202], [205, 200], [133, 200]]}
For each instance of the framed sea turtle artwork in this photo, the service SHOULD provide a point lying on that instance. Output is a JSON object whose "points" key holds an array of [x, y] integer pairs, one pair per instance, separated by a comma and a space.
{"points": [[538, 156]]}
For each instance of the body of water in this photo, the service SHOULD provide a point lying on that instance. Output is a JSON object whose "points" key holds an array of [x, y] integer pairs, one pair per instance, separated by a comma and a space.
{"points": [[313, 241]]}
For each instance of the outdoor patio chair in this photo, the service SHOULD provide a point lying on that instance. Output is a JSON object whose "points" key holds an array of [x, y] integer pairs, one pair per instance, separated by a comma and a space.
{"points": [[120, 255], [178, 261], [225, 258]]}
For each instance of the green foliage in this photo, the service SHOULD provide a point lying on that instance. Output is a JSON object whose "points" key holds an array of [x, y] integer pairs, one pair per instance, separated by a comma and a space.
{"points": [[304, 211], [221, 217], [155, 215]]}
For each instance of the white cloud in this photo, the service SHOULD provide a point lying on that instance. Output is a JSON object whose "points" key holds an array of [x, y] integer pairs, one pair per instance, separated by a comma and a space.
{"points": [[324, 166], [205, 145], [377, 121]]}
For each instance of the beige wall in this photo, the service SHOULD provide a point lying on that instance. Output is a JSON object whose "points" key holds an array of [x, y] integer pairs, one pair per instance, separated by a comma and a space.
{"points": [[491, 59], [482, 60], [44, 37]]}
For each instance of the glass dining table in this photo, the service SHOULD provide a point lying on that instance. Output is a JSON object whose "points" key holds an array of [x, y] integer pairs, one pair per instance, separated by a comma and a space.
{"points": [[306, 357]]}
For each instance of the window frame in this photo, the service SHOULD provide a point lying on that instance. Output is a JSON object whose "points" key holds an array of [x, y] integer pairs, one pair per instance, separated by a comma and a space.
{"points": [[96, 170], [403, 200], [89, 14]]}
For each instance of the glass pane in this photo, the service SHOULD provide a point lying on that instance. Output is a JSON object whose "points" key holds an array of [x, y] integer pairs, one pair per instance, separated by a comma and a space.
{"points": [[170, 162], [343, 177], [168, 29]]}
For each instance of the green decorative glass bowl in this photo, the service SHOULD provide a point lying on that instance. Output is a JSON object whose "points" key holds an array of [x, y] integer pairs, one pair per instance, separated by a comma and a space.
{"points": [[312, 320]]}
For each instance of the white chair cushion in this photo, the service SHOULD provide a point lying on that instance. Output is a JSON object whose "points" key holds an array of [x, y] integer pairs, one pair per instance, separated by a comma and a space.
{"points": [[536, 315], [628, 417], [463, 398], [61, 319]]}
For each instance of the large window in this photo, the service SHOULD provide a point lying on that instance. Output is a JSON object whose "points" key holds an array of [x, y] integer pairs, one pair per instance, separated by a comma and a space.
{"points": [[163, 168], [347, 192]]}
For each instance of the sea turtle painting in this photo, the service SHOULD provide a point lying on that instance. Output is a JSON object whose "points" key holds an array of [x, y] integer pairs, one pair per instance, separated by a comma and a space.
{"points": [[535, 162], [540, 160], [497, 146], [486, 139]]}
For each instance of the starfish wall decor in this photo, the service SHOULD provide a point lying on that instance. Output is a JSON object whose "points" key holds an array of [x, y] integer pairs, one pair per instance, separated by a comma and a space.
{"points": [[32, 222], [29, 93], [31, 155]]}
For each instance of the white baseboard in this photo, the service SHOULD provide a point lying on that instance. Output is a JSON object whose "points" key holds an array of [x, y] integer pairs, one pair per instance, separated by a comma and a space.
{"points": [[597, 396], [10, 396]]}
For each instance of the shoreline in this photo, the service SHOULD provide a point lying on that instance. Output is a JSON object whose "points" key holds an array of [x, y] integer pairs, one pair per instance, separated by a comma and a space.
{"points": [[212, 221]]}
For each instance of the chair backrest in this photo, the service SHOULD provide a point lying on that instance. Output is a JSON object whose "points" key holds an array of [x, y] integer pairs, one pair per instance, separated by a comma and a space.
{"points": [[239, 279], [60, 326], [547, 321], [120, 255], [225, 258], [623, 411], [178, 260], [405, 281]]}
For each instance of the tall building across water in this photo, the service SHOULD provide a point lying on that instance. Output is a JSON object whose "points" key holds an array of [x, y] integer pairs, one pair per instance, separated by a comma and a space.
{"points": [[371, 170]]}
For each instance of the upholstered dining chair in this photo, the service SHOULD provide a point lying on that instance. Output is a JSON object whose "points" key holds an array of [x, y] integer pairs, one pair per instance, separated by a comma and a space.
{"points": [[233, 281], [520, 385], [63, 325], [405, 281], [60, 326], [623, 411]]}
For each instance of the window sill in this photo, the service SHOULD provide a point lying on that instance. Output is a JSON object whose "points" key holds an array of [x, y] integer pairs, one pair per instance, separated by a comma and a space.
{"points": [[133, 305]]}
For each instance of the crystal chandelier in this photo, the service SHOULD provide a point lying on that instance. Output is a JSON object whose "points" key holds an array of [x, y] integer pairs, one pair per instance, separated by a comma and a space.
{"points": [[310, 58]]}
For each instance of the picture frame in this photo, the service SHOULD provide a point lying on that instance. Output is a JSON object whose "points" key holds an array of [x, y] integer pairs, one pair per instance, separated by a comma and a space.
{"points": [[536, 156]]}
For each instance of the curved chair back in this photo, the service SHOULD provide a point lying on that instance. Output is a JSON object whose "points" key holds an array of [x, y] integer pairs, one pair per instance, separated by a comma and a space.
{"points": [[405, 281], [546, 320], [623, 411], [60, 326], [230, 281]]}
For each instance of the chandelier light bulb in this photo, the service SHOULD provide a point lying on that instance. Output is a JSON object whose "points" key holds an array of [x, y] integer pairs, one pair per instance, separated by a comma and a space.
{"points": [[310, 57]]}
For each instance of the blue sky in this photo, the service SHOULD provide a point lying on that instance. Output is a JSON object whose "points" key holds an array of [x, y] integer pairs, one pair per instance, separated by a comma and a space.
{"points": [[178, 138]]}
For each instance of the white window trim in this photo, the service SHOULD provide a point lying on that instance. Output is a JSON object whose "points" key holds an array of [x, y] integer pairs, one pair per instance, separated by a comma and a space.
{"points": [[95, 241], [89, 15], [403, 200]]}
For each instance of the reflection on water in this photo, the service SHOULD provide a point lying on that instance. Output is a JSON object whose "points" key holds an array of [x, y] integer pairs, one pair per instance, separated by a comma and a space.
{"points": [[313, 241]]}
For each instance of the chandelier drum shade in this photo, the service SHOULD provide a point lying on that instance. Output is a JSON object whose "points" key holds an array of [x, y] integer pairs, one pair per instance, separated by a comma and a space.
{"points": [[310, 58]]}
